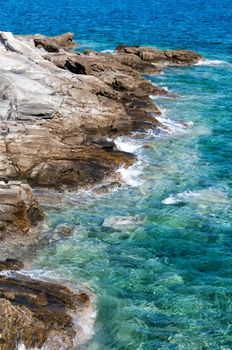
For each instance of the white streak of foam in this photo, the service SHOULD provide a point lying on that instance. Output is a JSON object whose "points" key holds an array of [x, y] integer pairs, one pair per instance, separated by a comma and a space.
{"points": [[209, 195], [214, 63], [171, 126], [108, 51], [130, 175]]}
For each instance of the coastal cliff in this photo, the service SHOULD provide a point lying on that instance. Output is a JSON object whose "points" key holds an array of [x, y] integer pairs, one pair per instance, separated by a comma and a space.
{"points": [[60, 112]]}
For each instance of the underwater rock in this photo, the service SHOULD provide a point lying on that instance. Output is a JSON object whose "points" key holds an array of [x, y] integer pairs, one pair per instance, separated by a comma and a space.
{"points": [[123, 223]]}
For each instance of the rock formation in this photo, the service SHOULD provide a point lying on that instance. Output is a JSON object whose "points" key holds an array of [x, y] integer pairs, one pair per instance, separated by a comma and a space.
{"points": [[159, 57], [57, 108], [59, 114]]}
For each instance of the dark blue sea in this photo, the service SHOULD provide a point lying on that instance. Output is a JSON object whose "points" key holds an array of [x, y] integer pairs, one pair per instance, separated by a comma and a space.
{"points": [[158, 252]]}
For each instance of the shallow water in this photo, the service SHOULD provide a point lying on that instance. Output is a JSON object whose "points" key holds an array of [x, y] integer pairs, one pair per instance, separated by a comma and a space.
{"points": [[158, 252]]}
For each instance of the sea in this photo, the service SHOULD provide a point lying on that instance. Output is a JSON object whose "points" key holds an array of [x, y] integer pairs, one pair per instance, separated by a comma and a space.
{"points": [[157, 251]]}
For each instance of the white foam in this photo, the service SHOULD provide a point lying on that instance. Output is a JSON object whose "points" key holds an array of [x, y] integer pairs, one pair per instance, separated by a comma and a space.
{"points": [[126, 144], [108, 51], [207, 196], [214, 63], [131, 175], [170, 126], [21, 346]]}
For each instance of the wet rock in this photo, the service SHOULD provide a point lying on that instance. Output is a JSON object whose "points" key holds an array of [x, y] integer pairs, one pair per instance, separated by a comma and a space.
{"points": [[39, 313]]}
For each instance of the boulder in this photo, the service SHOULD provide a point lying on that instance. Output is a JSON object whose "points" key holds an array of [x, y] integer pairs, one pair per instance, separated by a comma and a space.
{"points": [[55, 43]]}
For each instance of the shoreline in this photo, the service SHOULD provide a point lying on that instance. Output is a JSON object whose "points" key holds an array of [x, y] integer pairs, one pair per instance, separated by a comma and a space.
{"points": [[100, 84]]}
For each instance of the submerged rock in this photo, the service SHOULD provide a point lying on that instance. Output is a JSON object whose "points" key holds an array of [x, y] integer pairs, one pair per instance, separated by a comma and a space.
{"points": [[123, 223]]}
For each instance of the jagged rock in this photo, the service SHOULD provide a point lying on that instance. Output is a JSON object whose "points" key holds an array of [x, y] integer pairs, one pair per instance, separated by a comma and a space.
{"points": [[51, 117]]}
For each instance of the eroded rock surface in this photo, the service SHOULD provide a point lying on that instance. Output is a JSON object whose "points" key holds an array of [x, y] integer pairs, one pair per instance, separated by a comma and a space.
{"points": [[19, 208], [39, 313]]}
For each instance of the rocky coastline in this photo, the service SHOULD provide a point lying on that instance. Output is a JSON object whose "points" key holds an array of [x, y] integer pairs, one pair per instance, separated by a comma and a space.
{"points": [[60, 111]]}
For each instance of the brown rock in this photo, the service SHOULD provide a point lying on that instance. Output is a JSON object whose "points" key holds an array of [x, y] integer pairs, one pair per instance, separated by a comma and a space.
{"points": [[33, 312], [165, 57], [11, 264], [53, 44]]}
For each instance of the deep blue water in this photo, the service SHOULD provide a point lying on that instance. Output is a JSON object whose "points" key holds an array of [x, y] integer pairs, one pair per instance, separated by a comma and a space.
{"points": [[166, 281]]}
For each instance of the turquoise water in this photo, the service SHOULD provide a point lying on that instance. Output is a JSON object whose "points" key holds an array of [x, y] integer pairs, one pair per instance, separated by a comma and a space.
{"points": [[163, 278], [164, 282]]}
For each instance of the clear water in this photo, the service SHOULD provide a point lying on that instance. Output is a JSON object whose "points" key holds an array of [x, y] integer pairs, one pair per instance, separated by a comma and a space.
{"points": [[165, 281]]}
